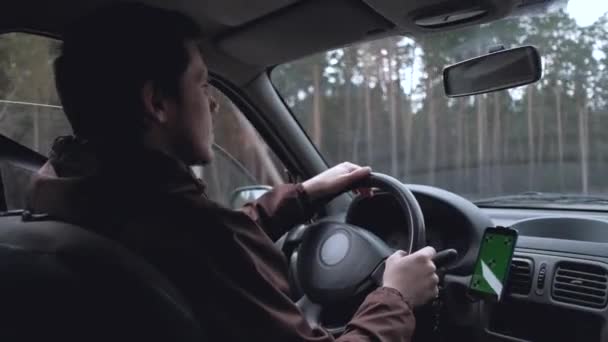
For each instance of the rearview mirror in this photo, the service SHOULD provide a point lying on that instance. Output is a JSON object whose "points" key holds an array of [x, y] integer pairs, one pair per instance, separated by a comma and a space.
{"points": [[499, 70]]}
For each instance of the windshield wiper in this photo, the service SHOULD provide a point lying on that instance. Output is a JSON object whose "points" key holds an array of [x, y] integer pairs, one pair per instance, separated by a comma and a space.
{"points": [[542, 198]]}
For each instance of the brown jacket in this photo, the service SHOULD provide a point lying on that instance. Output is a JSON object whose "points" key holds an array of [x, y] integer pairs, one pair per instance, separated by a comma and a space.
{"points": [[223, 261]]}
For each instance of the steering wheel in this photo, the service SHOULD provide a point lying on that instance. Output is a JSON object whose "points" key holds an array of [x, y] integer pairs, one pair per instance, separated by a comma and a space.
{"points": [[337, 261]]}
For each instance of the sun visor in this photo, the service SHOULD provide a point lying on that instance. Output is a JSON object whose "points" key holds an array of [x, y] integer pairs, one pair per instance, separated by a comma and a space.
{"points": [[301, 30]]}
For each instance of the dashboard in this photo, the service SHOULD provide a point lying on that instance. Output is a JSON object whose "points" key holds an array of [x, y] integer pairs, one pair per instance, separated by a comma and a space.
{"points": [[387, 221], [558, 286], [450, 222], [559, 274]]}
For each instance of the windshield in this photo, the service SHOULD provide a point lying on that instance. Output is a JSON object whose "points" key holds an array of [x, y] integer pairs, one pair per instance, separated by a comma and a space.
{"points": [[382, 104]]}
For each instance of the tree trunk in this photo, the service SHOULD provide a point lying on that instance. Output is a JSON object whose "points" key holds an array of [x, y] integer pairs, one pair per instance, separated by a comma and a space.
{"points": [[400, 131], [407, 139], [506, 142], [368, 121], [496, 146], [408, 120], [432, 120], [583, 130], [530, 137], [356, 141], [36, 119], [560, 136], [459, 155], [347, 135], [392, 111], [541, 137], [349, 64], [316, 105], [465, 148], [480, 142]]}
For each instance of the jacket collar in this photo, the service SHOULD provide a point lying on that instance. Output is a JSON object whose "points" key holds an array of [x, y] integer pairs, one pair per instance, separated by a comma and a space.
{"points": [[77, 182]]}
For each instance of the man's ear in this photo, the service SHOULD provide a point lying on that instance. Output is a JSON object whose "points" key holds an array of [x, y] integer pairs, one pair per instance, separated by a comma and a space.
{"points": [[153, 102]]}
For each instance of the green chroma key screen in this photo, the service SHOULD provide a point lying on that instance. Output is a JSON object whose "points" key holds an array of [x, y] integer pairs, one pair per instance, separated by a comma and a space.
{"points": [[493, 262]]}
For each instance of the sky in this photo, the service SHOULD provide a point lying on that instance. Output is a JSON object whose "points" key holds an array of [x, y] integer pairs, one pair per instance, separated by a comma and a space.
{"points": [[586, 12]]}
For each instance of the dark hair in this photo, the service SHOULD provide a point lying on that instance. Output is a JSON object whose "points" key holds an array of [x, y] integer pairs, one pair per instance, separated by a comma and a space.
{"points": [[105, 59]]}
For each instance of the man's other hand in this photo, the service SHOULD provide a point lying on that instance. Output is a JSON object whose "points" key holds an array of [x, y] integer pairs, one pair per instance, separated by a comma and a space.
{"points": [[413, 275], [336, 180]]}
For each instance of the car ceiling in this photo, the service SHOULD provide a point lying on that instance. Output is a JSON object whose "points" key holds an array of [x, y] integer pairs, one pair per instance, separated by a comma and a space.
{"points": [[243, 37]]}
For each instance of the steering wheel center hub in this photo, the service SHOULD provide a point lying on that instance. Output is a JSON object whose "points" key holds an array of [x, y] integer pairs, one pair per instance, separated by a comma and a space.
{"points": [[335, 248]]}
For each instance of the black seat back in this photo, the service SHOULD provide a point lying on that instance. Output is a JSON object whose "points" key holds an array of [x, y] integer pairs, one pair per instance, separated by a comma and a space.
{"points": [[59, 282]]}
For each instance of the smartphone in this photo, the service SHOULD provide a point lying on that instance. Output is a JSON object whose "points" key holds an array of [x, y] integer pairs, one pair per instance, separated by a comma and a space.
{"points": [[493, 263]]}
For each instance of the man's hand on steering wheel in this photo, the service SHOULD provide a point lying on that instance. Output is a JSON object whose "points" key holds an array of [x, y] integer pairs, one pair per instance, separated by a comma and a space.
{"points": [[412, 275], [336, 180]]}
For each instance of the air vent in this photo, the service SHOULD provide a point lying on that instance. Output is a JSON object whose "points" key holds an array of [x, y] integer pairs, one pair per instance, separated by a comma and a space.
{"points": [[581, 284], [520, 277]]}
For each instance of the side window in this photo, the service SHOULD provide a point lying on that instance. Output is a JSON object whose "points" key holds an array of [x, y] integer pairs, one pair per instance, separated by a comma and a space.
{"points": [[30, 112], [242, 158], [31, 115]]}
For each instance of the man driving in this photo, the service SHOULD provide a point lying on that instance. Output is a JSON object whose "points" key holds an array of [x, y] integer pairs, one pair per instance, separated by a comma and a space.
{"points": [[134, 86]]}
